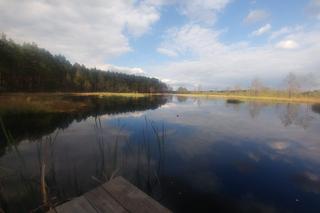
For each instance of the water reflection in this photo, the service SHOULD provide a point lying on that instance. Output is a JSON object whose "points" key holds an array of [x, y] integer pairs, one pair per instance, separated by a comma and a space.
{"points": [[316, 108], [308, 182], [34, 125], [295, 114], [182, 98], [75, 166], [255, 108], [214, 156], [289, 114]]}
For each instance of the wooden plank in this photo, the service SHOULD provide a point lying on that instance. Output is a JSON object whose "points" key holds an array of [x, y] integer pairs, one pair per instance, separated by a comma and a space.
{"points": [[131, 198], [103, 202], [77, 205]]}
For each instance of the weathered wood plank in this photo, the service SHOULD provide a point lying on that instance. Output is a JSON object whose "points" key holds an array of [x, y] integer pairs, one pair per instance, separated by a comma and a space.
{"points": [[77, 205], [131, 198], [103, 202]]}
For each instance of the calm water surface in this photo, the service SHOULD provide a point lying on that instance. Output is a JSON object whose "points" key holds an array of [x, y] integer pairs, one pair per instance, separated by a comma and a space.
{"points": [[192, 155]]}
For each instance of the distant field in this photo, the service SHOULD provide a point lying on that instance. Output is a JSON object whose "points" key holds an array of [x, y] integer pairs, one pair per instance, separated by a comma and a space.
{"points": [[298, 99]]}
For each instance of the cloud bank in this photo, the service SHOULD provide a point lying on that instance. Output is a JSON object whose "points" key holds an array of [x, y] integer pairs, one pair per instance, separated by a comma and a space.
{"points": [[193, 51], [89, 32], [218, 65]]}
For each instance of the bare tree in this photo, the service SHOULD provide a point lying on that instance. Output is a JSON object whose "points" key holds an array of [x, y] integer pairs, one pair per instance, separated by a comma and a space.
{"points": [[256, 86], [292, 84]]}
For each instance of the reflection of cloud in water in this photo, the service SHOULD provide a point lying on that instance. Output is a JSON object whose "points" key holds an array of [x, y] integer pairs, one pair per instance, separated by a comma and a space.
{"points": [[205, 181], [249, 204], [245, 166], [279, 145], [191, 145], [253, 156], [308, 181], [168, 105], [213, 122], [122, 115]]}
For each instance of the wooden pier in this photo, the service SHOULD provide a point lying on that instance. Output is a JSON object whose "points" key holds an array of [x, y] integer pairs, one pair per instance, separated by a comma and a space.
{"points": [[117, 195]]}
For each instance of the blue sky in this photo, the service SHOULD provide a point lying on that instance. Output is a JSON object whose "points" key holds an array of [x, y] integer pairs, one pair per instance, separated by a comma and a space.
{"points": [[215, 44]]}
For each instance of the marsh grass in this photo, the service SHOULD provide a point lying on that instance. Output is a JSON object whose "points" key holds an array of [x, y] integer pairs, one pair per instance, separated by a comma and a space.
{"points": [[115, 156], [53, 102], [273, 97], [38, 104], [140, 162], [31, 187]]}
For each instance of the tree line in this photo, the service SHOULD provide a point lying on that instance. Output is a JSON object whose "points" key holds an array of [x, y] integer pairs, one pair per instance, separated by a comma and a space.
{"points": [[293, 85], [28, 68]]}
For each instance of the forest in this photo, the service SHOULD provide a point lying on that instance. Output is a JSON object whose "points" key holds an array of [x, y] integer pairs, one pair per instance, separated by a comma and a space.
{"points": [[28, 68]]}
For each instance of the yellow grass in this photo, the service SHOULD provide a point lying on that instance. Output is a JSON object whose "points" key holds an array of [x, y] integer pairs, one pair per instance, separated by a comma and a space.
{"points": [[54, 102], [77, 94], [301, 99], [51, 102]]}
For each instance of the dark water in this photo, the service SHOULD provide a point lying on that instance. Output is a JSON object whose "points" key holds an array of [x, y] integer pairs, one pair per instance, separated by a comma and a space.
{"points": [[192, 155]]}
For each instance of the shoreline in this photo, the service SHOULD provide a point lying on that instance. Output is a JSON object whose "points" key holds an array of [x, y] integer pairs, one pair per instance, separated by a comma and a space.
{"points": [[305, 100], [302, 100]]}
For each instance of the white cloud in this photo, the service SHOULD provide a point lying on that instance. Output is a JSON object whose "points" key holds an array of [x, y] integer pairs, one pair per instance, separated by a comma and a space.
{"points": [[88, 32], [287, 44], [285, 31], [256, 16], [204, 11], [167, 52], [190, 38], [313, 9], [127, 70], [214, 64], [262, 30]]}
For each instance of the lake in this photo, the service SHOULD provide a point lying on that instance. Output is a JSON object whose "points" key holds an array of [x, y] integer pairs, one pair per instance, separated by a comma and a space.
{"points": [[190, 154]]}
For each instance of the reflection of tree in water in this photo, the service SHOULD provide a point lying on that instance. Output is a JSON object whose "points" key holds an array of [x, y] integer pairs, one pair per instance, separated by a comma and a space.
{"points": [[182, 99], [296, 114], [199, 102], [289, 114], [316, 108], [33, 125], [234, 103], [141, 162], [255, 108]]}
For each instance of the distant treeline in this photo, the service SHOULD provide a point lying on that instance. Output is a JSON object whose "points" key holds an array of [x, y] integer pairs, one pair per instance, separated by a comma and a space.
{"points": [[293, 87], [28, 68]]}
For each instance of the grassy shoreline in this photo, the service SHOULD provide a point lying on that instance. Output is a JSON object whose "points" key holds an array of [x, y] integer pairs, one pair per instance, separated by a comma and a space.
{"points": [[306, 100], [54, 102], [74, 94], [276, 99]]}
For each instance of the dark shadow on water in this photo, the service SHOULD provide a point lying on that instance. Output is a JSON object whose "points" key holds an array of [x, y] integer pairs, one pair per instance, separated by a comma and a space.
{"points": [[182, 99], [233, 101], [316, 108], [34, 125]]}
